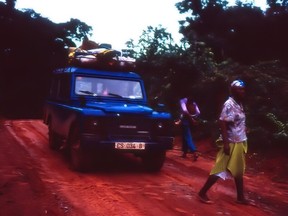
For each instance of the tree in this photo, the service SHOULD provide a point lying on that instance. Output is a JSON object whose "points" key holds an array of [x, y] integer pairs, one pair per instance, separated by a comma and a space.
{"points": [[154, 41], [30, 47], [170, 70], [243, 32], [11, 3], [74, 29]]}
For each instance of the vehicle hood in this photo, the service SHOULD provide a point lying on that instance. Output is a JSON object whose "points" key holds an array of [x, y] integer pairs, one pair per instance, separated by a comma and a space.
{"points": [[120, 107]]}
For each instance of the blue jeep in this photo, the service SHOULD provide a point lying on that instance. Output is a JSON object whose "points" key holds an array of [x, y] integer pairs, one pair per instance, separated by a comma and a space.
{"points": [[90, 112]]}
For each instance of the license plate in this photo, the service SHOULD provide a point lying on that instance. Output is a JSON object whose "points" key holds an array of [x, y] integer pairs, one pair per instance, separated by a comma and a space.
{"points": [[130, 145]]}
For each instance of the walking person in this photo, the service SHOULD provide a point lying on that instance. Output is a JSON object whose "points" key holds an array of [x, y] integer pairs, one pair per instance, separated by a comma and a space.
{"points": [[189, 113], [230, 160]]}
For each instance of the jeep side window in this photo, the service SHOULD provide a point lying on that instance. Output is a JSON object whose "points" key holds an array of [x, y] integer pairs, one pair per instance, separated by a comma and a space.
{"points": [[54, 88], [64, 92], [60, 88]]}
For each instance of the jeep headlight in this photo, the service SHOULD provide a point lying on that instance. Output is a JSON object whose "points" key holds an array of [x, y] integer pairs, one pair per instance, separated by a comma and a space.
{"points": [[160, 125]]}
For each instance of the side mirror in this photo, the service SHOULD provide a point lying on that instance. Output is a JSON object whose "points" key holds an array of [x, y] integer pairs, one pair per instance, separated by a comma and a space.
{"points": [[160, 107]]}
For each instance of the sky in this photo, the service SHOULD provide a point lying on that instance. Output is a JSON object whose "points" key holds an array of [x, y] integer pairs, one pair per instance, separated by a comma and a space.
{"points": [[113, 21]]}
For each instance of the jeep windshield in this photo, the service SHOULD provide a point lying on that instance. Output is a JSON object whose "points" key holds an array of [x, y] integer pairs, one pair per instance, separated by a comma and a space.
{"points": [[105, 87]]}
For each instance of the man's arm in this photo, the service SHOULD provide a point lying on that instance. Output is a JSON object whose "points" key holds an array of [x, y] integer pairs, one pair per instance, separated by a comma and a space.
{"points": [[183, 106]]}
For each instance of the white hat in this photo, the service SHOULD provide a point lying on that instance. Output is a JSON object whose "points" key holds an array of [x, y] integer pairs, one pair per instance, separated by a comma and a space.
{"points": [[237, 83]]}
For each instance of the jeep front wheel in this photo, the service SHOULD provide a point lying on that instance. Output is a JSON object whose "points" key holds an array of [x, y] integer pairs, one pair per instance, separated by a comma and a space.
{"points": [[78, 160]]}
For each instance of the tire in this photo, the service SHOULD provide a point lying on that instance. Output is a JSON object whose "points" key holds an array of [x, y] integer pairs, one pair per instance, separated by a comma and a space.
{"points": [[78, 157], [55, 140], [153, 161]]}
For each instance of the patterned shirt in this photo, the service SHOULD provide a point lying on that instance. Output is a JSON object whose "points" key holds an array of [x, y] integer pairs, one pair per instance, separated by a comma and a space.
{"points": [[234, 115]]}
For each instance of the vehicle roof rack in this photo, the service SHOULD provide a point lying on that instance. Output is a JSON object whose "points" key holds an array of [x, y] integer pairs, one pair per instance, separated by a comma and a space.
{"points": [[100, 58]]}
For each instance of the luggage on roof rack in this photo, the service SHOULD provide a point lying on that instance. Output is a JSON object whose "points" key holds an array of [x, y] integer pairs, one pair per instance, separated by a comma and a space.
{"points": [[100, 58]]}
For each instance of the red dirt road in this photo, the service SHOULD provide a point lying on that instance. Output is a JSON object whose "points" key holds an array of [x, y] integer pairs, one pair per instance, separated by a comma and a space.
{"points": [[37, 181]]}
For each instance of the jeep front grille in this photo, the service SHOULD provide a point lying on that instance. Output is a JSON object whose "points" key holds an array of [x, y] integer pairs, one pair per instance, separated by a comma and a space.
{"points": [[130, 137]]}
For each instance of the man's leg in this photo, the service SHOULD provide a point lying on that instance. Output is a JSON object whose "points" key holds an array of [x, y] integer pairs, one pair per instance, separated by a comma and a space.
{"points": [[191, 144], [185, 139], [240, 191], [212, 179]]}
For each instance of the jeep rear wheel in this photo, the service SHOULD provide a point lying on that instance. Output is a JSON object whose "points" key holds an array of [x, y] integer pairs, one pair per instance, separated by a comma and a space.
{"points": [[55, 140], [153, 161]]}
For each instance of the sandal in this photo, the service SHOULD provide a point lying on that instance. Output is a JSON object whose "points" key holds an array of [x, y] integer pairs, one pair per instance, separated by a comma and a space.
{"points": [[204, 199], [243, 202]]}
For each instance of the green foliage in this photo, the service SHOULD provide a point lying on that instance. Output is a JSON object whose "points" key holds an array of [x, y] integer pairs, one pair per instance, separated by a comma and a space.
{"points": [[11, 3], [281, 127], [171, 71], [244, 32], [153, 43], [75, 29]]}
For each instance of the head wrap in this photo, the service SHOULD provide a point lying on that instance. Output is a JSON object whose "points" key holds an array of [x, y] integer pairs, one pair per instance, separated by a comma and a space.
{"points": [[237, 83]]}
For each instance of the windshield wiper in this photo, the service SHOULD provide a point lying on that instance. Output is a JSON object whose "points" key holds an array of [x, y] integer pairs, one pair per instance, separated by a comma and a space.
{"points": [[88, 92], [93, 94], [115, 95]]}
